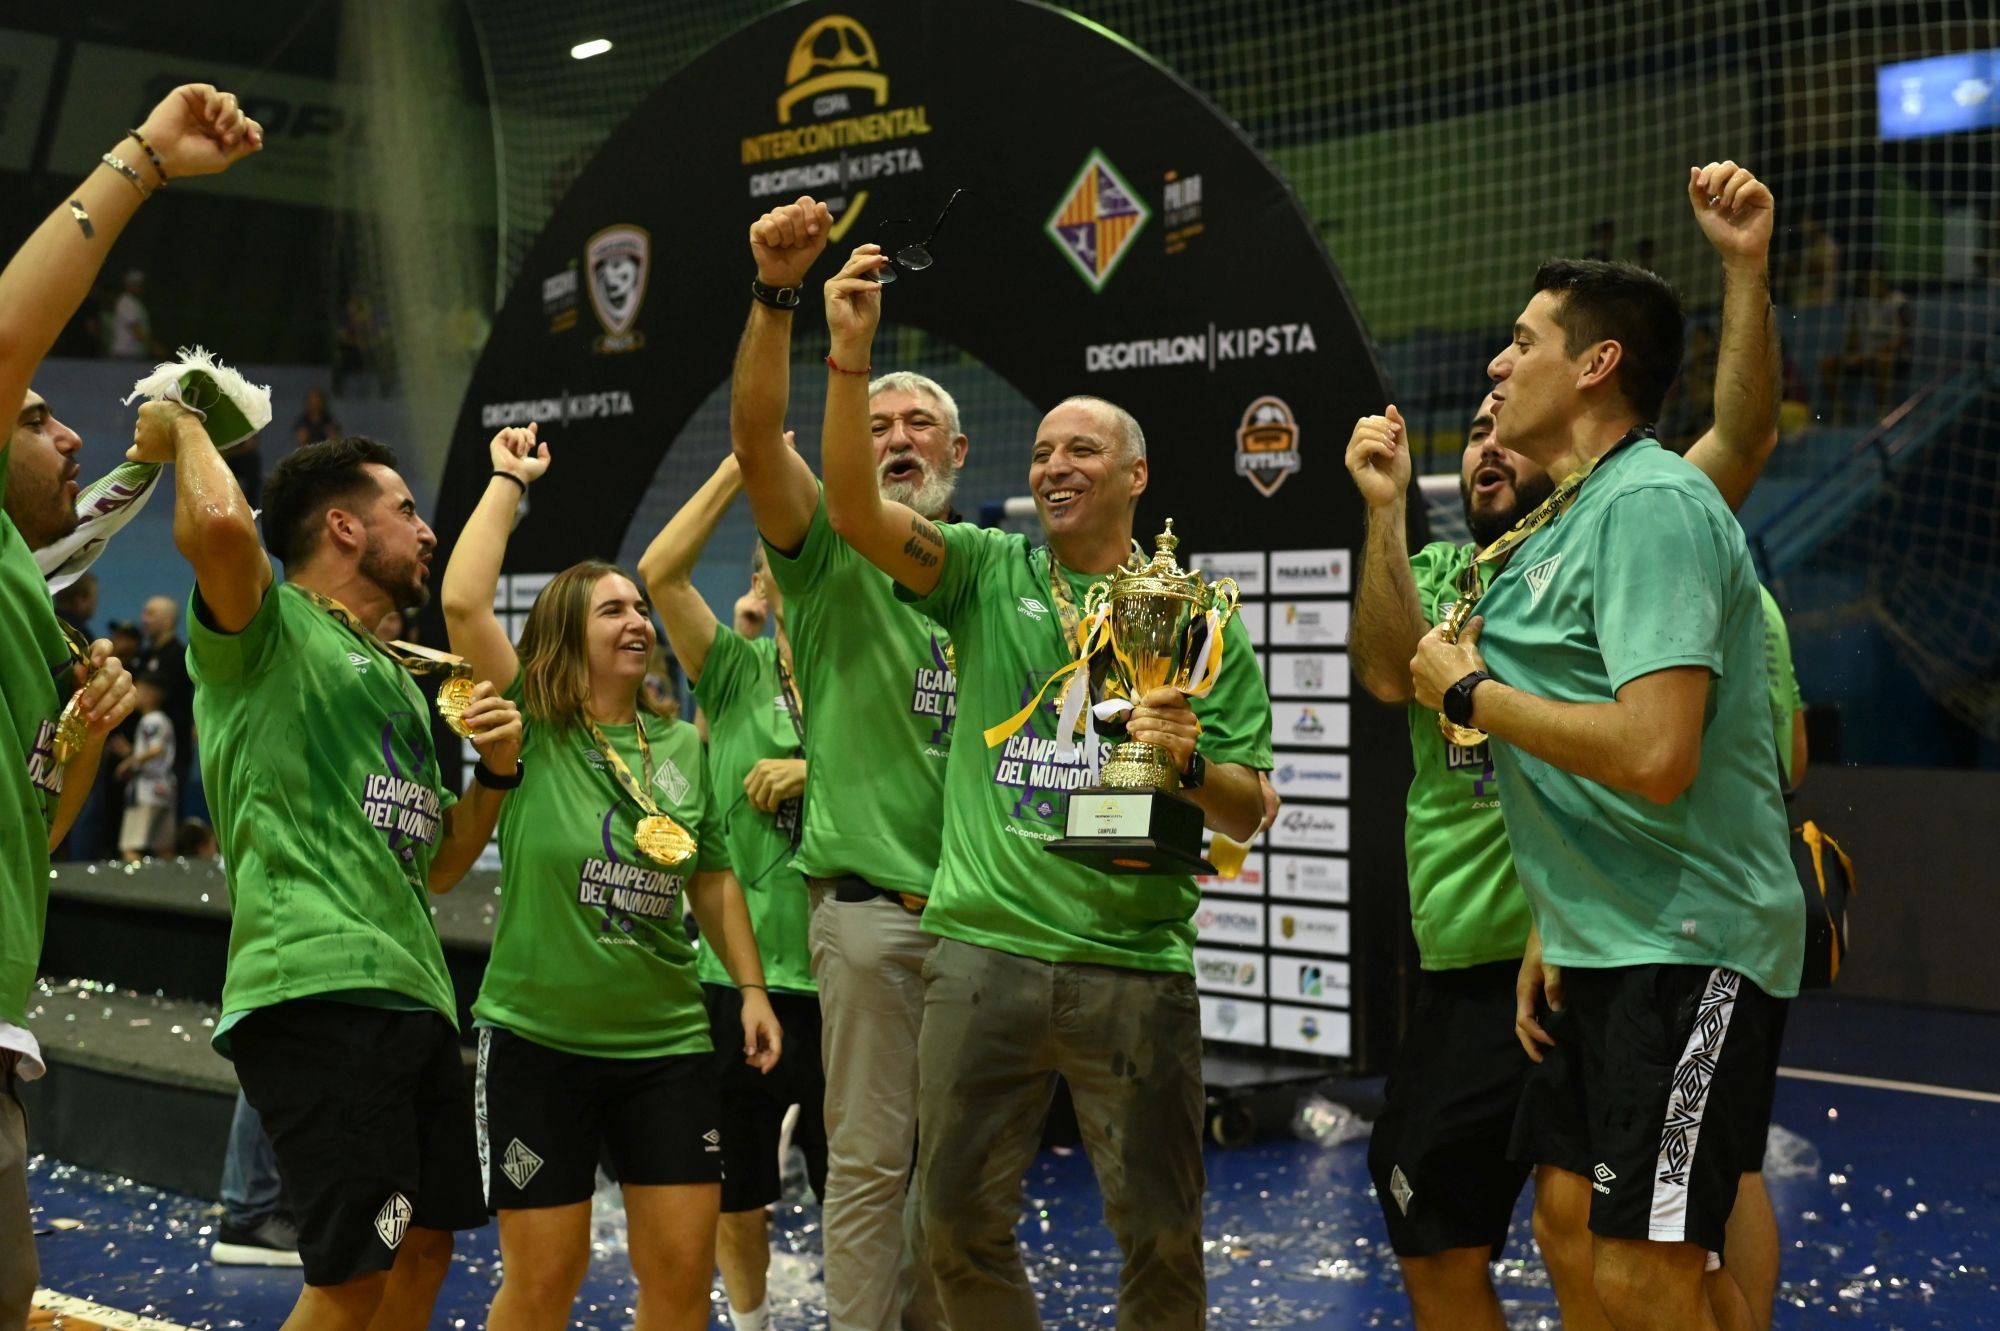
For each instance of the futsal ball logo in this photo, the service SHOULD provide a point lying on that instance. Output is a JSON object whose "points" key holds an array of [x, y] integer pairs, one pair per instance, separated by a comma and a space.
{"points": [[618, 258], [1097, 221], [834, 53], [1267, 444]]}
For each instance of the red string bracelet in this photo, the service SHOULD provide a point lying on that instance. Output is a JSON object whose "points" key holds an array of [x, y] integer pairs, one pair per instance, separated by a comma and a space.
{"points": [[838, 370]]}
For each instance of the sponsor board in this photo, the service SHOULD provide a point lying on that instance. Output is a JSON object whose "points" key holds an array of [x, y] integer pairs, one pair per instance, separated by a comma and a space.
{"points": [[1310, 827], [1245, 566], [1238, 922], [1248, 882], [1309, 623], [564, 409], [1309, 572], [1310, 929], [1232, 1020], [1229, 972], [1311, 1030], [1253, 614], [1308, 877], [1312, 777], [1311, 980], [1309, 675], [1323, 725], [1180, 210], [616, 261]]}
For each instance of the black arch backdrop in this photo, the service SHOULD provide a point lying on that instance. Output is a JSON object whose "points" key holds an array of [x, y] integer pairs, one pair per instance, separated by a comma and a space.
{"points": [[1119, 237]]}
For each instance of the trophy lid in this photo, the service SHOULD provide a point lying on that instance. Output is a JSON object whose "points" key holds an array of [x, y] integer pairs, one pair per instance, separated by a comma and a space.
{"points": [[1161, 575]]}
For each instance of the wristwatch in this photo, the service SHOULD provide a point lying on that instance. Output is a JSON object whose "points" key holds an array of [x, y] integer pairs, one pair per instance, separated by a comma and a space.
{"points": [[492, 780], [778, 298], [1196, 773], [1458, 698]]}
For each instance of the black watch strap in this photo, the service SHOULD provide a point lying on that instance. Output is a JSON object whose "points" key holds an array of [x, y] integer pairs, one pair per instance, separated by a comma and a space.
{"points": [[1458, 698], [492, 780], [1196, 773], [778, 298]]}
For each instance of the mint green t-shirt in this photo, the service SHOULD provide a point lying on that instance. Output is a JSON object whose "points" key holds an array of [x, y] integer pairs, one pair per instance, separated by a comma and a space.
{"points": [[997, 885], [316, 756], [1466, 905], [1785, 699], [1647, 570], [879, 701], [748, 722], [589, 954], [34, 655]]}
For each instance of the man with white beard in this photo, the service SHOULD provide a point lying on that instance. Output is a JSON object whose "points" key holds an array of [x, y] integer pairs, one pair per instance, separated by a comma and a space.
{"points": [[874, 698]]}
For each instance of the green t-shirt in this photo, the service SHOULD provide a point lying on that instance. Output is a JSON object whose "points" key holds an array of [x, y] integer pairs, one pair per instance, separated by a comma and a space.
{"points": [[748, 722], [997, 885], [1647, 570], [1785, 699], [590, 955], [1466, 905], [879, 701], [316, 756], [32, 652]]}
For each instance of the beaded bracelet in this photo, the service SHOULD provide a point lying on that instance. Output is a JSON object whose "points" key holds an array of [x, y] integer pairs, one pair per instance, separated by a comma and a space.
{"points": [[154, 157]]}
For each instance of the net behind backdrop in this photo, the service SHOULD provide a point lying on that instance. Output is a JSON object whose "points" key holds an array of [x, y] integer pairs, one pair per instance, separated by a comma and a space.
{"points": [[1443, 151]]}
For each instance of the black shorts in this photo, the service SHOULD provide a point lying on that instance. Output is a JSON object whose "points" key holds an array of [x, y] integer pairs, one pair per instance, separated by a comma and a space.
{"points": [[369, 1112], [545, 1115], [1438, 1154], [754, 1103], [1661, 1096]]}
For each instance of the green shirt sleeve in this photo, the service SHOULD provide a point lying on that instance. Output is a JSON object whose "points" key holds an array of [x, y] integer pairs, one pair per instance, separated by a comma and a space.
{"points": [[1658, 586], [235, 658], [968, 552], [795, 572], [724, 673]]}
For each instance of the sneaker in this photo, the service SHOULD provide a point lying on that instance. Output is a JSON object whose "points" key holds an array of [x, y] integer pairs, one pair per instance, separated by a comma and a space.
{"points": [[272, 1241]]}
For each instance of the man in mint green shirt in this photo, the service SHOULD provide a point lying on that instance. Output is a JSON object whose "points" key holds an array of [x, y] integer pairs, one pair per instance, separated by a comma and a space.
{"points": [[1439, 1153], [1627, 695], [877, 700], [1046, 967], [317, 757]]}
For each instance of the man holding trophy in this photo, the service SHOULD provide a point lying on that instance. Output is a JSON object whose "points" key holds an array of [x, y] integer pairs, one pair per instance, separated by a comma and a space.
{"points": [[1047, 965]]}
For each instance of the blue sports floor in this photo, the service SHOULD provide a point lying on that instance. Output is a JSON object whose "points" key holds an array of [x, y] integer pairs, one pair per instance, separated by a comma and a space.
{"points": [[1895, 1224]]}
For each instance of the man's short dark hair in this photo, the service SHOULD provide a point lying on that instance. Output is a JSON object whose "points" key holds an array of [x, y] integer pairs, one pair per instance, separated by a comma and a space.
{"points": [[311, 480], [1623, 303]]}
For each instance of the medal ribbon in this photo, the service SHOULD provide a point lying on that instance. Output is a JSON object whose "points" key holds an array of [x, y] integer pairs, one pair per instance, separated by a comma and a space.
{"points": [[419, 661], [623, 774], [1472, 586]]}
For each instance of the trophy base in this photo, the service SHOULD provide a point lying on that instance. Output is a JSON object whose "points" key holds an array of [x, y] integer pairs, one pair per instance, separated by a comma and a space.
{"points": [[1123, 831]]}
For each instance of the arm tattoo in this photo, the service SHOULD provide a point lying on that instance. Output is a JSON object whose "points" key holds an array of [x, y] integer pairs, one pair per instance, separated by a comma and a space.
{"points": [[82, 216], [923, 557], [927, 533]]}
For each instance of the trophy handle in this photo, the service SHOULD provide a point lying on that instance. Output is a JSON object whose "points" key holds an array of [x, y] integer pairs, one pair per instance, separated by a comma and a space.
{"points": [[1224, 596], [1095, 596]]}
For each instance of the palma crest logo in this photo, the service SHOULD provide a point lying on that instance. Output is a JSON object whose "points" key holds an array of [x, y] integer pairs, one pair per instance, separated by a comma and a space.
{"points": [[1097, 221]]}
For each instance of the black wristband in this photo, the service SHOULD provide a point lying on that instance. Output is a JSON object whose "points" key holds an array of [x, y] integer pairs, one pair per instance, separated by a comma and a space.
{"points": [[1457, 700], [778, 298], [510, 476], [492, 780]]}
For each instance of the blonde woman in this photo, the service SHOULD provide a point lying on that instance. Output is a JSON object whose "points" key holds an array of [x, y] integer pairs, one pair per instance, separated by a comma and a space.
{"points": [[593, 1034]]}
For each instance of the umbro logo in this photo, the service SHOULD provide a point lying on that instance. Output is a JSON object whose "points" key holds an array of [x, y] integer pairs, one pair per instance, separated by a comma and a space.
{"points": [[1032, 608], [393, 1220], [520, 1164], [358, 661], [1603, 1175], [1400, 1189], [712, 1141], [1539, 577]]}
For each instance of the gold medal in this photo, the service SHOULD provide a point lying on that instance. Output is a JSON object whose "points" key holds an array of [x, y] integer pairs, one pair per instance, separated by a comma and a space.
{"points": [[453, 696], [658, 837], [72, 730], [662, 839]]}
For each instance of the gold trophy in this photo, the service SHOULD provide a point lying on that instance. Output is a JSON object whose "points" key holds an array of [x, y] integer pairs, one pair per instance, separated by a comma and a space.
{"points": [[1136, 821]]}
